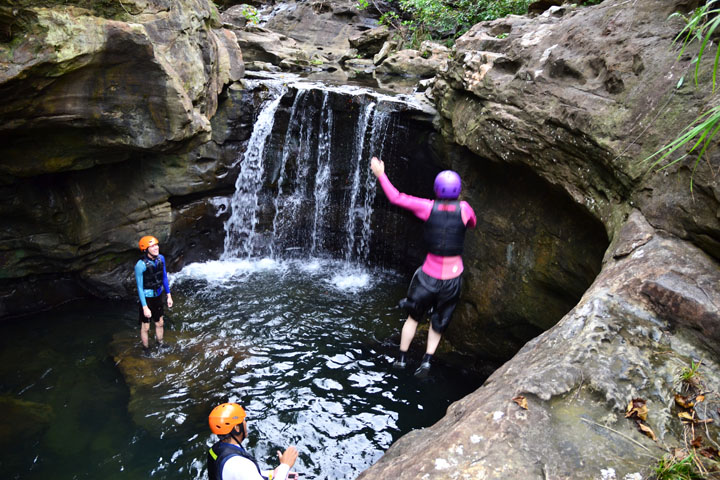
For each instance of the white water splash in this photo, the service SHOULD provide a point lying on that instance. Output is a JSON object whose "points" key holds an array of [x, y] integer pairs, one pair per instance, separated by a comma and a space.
{"points": [[334, 273]]}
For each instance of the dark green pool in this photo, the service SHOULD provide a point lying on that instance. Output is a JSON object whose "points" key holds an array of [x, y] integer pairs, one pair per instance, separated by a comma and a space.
{"points": [[304, 346]]}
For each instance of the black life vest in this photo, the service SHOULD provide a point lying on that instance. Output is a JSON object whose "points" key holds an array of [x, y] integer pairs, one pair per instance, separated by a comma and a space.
{"points": [[153, 274], [220, 453], [445, 230]]}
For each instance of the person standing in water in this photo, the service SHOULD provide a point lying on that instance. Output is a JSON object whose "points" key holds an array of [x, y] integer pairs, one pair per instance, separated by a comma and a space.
{"points": [[151, 279], [435, 287], [228, 460]]}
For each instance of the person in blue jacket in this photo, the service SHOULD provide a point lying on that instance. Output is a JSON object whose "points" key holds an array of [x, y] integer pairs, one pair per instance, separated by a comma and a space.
{"points": [[152, 281]]}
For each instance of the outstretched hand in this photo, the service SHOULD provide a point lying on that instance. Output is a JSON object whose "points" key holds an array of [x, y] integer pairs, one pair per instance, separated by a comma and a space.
{"points": [[377, 166], [289, 456]]}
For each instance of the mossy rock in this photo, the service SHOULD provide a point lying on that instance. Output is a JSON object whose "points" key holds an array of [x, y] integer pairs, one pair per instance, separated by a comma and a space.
{"points": [[163, 383], [22, 419]]}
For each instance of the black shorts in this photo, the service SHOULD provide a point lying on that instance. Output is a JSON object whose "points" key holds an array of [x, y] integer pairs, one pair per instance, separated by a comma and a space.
{"points": [[438, 297], [156, 308]]}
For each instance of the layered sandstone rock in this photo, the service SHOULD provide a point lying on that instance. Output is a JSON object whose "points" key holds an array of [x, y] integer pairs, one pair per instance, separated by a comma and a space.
{"points": [[98, 106], [581, 96], [622, 341]]}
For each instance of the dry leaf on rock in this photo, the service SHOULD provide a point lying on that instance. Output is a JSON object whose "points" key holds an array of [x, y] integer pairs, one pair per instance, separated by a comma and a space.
{"points": [[697, 442], [710, 452], [637, 408], [521, 401], [646, 430], [684, 402], [687, 416], [690, 417]]}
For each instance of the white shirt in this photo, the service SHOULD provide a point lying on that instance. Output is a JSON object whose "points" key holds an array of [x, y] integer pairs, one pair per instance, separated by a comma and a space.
{"points": [[240, 468]]}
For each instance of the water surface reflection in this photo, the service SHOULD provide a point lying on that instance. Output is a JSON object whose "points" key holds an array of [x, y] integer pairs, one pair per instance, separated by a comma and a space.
{"points": [[304, 346]]}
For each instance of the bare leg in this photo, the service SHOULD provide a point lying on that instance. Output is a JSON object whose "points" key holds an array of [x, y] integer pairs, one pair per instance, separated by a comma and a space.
{"points": [[159, 330], [408, 333], [433, 340], [144, 329]]}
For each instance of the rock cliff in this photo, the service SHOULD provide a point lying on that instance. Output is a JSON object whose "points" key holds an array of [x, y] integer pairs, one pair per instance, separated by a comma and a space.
{"points": [[100, 99], [582, 96], [111, 127]]}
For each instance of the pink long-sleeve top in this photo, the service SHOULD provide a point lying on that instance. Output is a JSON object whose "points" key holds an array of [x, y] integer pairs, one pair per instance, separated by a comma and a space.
{"points": [[436, 266]]}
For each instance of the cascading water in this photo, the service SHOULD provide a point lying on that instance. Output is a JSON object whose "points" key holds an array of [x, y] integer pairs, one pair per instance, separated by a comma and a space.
{"points": [[240, 227], [323, 172], [354, 191], [358, 246], [317, 188]]}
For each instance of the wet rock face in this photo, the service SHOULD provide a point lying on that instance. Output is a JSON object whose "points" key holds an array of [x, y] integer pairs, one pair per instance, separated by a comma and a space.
{"points": [[96, 96], [96, 88], [75, 233], [579, 376], [581, 96], [528, 262]]}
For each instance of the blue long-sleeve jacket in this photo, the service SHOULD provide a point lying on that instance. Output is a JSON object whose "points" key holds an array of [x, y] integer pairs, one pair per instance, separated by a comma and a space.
{"points": [[140, 268]]}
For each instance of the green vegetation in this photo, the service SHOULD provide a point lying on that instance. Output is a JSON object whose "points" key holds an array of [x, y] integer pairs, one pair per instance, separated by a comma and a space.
{"points": [[690, 374], [701, 26], [697, 458], [419, 20], [671, 468]]}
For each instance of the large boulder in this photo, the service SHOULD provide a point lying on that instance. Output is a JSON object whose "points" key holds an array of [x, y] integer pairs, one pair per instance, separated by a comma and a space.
{"points": [[582, 96], [370, 42], [87, 84], [321, 29], [426, 62], [107, 134], [652, 311], [261, 45]]}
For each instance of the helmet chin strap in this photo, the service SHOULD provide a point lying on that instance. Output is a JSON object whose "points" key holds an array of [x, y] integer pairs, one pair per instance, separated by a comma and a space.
{"points": [[232, 434], [239, 441]]}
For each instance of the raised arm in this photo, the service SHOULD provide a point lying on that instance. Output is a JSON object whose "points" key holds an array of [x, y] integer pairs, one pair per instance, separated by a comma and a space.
{"points": [[421, 207], [468, 215]]}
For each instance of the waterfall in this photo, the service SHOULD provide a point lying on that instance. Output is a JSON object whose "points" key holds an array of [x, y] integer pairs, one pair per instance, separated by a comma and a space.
{"points": [[378, 137], [360, 164], [286, 204], [240, 227], [317, 190], [322, 181]]}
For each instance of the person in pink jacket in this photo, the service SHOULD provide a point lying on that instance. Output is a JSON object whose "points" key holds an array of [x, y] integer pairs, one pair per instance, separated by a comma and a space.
{"points": [[435, 287]]}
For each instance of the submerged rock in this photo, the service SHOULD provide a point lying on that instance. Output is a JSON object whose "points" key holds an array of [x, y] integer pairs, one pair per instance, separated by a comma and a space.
{"points": [[23, 419], [161, 382]]}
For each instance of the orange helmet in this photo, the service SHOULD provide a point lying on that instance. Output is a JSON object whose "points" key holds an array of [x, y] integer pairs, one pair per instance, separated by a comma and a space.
{"points": [[147, 242], [224, 417]]}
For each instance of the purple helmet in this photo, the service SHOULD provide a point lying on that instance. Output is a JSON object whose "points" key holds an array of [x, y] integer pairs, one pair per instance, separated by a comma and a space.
{"points": [[447, 185]]}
